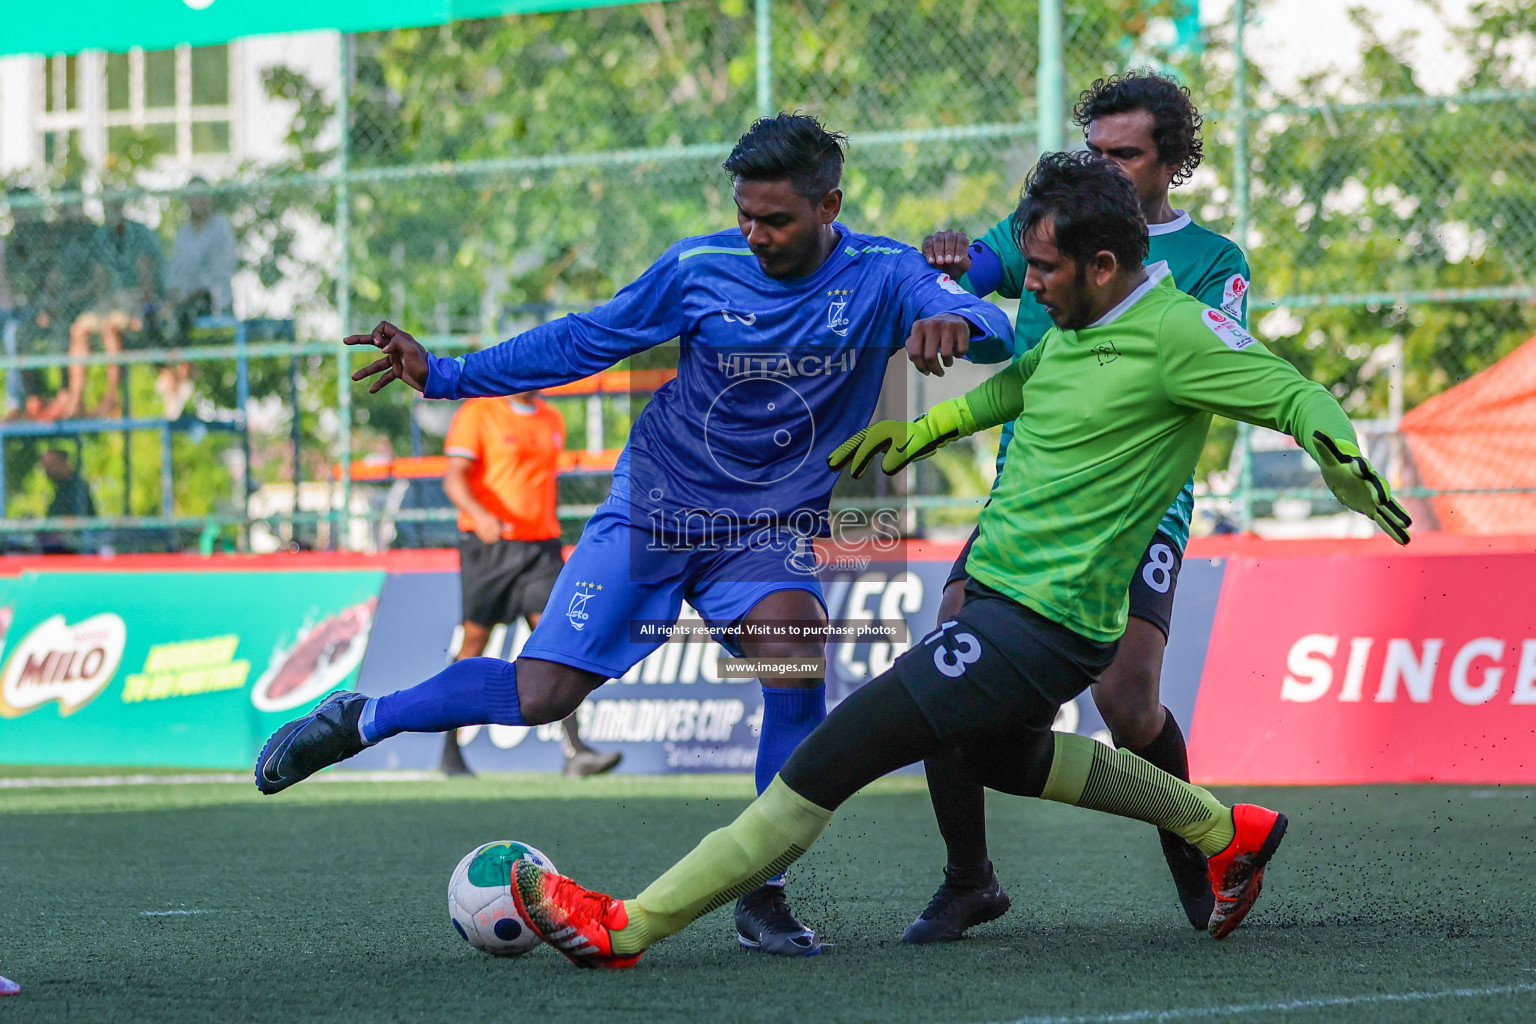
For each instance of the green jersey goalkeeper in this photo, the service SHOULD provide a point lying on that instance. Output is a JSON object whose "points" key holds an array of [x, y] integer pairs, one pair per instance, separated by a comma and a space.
{"points": [[1148, 126]]}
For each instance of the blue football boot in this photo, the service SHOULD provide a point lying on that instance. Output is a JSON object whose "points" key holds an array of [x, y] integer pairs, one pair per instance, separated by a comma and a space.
{"points": [[764, 923]]}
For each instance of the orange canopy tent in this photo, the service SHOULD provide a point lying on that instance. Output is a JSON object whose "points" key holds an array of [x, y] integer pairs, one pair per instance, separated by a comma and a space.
{"points": [[1481, 434]]}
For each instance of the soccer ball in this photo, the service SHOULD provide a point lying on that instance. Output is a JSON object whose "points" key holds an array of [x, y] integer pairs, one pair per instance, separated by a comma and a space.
{"points": [[480, 898]]}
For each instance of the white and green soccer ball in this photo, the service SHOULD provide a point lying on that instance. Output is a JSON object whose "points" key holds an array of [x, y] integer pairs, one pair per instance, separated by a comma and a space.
{"points": [[480, 898]]}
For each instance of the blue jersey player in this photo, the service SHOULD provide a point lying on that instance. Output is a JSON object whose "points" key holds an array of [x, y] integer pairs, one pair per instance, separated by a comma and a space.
{"points": [[784, 330]]}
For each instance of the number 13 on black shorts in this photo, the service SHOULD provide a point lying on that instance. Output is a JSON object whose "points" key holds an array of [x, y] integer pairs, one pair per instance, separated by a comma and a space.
{"points": [[955, 652]]}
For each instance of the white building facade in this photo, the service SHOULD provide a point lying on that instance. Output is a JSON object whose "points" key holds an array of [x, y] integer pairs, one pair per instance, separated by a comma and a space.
{"points": [[203, 108]]}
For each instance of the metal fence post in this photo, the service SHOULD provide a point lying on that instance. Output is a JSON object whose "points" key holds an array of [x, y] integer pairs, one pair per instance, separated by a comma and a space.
{"points": [[167, 471], [243, 402], [343, 523], [295, 438], [765, 58], [1240, 187], [1050, 81], [127, 437], [1240, 179]]}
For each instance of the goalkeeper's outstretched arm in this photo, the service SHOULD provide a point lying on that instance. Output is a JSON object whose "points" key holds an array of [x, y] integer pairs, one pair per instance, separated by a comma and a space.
{"points": [[1224, 370]]}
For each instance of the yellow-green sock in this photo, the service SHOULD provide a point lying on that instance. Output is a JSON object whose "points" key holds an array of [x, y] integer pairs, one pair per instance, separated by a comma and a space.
{"points": [[1086, 773], [769, 835]]}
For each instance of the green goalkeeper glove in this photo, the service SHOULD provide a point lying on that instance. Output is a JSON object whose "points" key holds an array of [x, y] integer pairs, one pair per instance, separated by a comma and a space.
{"points": [[1352, 480], [904, 442]]}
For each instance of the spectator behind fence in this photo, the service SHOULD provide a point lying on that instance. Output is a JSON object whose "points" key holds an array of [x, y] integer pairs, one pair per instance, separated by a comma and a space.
{"points": [[199, 283], [26, 255], [67, 266], [127, 281], [203, 261], [24, 270], [71, 500]]}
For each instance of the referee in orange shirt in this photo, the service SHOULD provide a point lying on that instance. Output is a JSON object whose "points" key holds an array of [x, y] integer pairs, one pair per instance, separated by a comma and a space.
{"points": [[503, 462]]}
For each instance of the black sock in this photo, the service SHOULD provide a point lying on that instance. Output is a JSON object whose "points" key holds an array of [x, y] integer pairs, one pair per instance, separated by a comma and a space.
{"points": [[960, 805], [1168, 751], [972, 877]]}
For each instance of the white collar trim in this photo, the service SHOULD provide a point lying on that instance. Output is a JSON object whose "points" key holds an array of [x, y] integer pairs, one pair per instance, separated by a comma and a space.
{"points": [[1181, 220], [1155, 273]]}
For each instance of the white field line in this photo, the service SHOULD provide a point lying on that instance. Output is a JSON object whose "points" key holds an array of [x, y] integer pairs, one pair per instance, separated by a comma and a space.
{"points": [[1289, 1006], [50, 782], [173, 913]]}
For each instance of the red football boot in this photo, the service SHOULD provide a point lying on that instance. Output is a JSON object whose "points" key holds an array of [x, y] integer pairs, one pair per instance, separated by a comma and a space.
{"points": [[1237, 873], [576, 921]]}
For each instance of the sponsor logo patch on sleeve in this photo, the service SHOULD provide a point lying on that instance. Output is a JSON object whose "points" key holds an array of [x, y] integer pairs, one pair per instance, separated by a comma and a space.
{"points": [[1232, 296], [1228, 330], [950, 285]]}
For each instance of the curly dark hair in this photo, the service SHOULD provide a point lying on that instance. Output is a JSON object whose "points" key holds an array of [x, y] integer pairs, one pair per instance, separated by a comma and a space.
{"points": [[1092, 205], [1176, 121], [796, 147]]}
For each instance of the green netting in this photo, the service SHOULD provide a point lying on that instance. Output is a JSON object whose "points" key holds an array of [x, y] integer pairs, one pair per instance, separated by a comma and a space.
{"points": [[497, 172]]}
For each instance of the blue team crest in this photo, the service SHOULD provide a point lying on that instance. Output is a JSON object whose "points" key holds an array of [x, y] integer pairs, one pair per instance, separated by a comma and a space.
{"points": [[576, 612], [837, 311]]}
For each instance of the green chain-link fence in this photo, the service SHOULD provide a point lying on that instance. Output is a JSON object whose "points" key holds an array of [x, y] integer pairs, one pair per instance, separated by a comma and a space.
{"points": [[470, 179]]}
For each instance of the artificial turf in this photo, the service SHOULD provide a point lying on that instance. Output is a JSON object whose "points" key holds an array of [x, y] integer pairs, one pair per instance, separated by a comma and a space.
{"points": [[327, 903]]}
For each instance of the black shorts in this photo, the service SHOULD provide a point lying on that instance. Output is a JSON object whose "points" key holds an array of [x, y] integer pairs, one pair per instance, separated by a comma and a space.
{"points": [[998, 669], [504, 581], [1152, 585], [1155, 580]]}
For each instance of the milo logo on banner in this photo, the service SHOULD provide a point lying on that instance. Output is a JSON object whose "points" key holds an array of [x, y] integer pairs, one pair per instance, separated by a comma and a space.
{"points": [[60, 662]]}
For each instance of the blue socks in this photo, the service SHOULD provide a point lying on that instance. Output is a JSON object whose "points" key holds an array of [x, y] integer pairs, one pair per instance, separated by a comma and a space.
{"points": [[789, 716], [475, 691]]}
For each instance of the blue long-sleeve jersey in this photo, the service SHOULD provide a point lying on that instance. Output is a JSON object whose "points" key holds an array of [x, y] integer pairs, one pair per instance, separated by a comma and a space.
{"points": [[772, 374]]}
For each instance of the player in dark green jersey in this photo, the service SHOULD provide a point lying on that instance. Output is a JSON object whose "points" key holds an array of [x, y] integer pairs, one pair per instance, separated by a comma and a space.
{"points": [[1146, 124], [1111, 441]]}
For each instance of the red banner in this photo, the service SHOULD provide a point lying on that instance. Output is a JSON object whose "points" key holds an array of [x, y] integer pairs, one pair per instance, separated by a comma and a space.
{"points": [[1371, 668]]}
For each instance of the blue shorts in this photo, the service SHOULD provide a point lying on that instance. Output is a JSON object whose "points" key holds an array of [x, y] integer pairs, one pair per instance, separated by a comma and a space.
{"points": [[619, 576]]}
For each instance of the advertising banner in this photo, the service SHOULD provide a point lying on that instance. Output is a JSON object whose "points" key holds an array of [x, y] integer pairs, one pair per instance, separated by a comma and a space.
{"points": [[171, 668], [196, 667], [674, 711], [1371, 668]]}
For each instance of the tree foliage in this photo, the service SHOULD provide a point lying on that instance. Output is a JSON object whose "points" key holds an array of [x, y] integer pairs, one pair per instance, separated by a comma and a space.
{"points": [[1395, 192], [501, 178]]}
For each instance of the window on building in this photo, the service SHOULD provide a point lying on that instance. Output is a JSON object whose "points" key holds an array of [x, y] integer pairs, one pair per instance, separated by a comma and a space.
{"points": [[175, 105], [62, 120]]}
